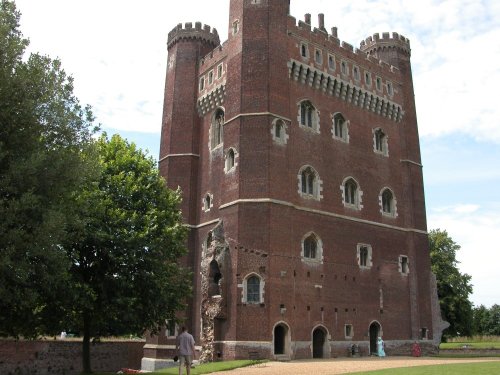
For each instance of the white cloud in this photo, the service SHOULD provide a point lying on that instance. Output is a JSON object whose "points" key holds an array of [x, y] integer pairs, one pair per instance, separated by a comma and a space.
{"points": [[475, 230]]}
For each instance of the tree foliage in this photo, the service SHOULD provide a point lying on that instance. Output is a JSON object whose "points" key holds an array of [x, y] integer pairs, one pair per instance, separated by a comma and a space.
{"points": [[454, 288], [125, 243], [43, 131], [486, 321]]}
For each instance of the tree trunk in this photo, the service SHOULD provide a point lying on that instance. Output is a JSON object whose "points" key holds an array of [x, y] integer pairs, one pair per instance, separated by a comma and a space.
{"points": [[86, 344]]}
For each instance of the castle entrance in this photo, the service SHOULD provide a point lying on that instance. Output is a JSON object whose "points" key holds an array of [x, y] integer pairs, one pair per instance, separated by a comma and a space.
{"points": [[319, 338], [374, 334], [280, 335]]}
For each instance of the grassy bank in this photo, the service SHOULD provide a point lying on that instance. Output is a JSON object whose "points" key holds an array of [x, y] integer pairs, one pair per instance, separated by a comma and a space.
{"points": [[484, 368]]}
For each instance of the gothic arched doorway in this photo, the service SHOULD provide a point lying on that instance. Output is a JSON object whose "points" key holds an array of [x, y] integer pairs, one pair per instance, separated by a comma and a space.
{"points": [[281, 339], [374, 334], [318, 342]]}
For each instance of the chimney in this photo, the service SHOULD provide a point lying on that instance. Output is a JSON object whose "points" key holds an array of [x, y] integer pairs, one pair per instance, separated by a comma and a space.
{"points": [[321, 22]]}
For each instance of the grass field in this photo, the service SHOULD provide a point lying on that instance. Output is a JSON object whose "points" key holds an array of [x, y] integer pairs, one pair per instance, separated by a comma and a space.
{"points": [[209, 367], [200, 369], [483, 368], [470, 345]]}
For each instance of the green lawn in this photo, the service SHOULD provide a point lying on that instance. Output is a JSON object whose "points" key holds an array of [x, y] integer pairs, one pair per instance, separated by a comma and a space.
{"points": [[484, 368], [471, 345], [201, 369], [209, 367]]}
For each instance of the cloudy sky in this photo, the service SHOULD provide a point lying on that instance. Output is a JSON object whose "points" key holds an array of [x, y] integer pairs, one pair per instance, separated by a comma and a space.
{"points": [[116, 51]]}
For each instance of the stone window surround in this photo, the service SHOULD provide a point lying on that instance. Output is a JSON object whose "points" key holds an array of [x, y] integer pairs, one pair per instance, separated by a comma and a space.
{"points": [[283, 139], [394, 206], [211, 145], [369, 260], [390, 88], [244, 290], [348, 331], [356, 72], [315, 118], [400, 265], [359, 194], [378, 84], [345, 134], [304, 47], [235, 26], [226, 161], [317, 185], [220, 70], [318, 56], [368, 79], [319, 249], [202, 83], [207, 202], [385, 142], [344, 68], [331, 62]]}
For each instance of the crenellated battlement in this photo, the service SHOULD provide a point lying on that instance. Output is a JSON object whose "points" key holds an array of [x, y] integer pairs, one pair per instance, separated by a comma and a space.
{"points": [[321, 37], [375, 43], [205, 33]]}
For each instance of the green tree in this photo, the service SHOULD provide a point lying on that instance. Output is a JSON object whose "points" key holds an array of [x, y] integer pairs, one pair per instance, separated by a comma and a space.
{"points": [[126, 242], [493, 325], [43, 131], [454, 288], [481, 317]]}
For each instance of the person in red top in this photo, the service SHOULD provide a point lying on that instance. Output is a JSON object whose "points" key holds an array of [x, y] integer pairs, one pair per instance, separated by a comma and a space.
{"points": [[185, 350]]}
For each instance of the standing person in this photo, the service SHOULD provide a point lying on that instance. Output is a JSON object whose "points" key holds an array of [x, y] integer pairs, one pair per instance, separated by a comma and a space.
{"points": [[185, 349], [380, 347]]}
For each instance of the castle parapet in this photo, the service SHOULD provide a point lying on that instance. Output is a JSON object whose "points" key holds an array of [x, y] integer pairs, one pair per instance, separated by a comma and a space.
{"points": [[375, 43], [205, 33]]}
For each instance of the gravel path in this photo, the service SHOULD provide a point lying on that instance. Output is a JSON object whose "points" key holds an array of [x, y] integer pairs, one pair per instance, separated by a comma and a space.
{"points": [[342, 366]]}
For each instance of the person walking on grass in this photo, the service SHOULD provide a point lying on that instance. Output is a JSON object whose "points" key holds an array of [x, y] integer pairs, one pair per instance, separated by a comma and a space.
{"points": [[185, 350]]}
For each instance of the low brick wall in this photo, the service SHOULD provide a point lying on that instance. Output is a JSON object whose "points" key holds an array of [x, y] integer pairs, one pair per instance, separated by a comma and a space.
{"points": [[469, 351], [63, 357]]}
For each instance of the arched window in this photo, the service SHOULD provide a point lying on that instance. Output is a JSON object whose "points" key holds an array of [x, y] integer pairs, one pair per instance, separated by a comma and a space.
{"points": [[364, 256], [312, 248], [308, 177], [340, 130], [350, 190], [380, 142], [253, 289], [387, 202], [309, 183], [343, 68], [279, 131], [303, 50], [207, 202], [351, 194], [230, 160], [217, 128], [308, 116]]}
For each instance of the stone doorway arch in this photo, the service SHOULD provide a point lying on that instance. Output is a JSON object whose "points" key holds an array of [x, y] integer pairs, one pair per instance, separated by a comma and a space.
{"points": [[375, 331], [281, 340], [320, 345]]}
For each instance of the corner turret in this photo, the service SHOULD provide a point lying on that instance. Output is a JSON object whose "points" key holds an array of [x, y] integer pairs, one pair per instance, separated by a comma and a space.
{"points": [[205, 33], [389, 49]]}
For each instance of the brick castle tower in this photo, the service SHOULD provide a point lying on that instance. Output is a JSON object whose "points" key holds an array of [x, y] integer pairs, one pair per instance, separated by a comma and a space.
{"points": [[299, 161]]}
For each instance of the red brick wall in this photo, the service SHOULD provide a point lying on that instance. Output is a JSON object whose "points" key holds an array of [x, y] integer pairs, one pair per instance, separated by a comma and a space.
{"points": [[65, 357], [265, 237]]}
